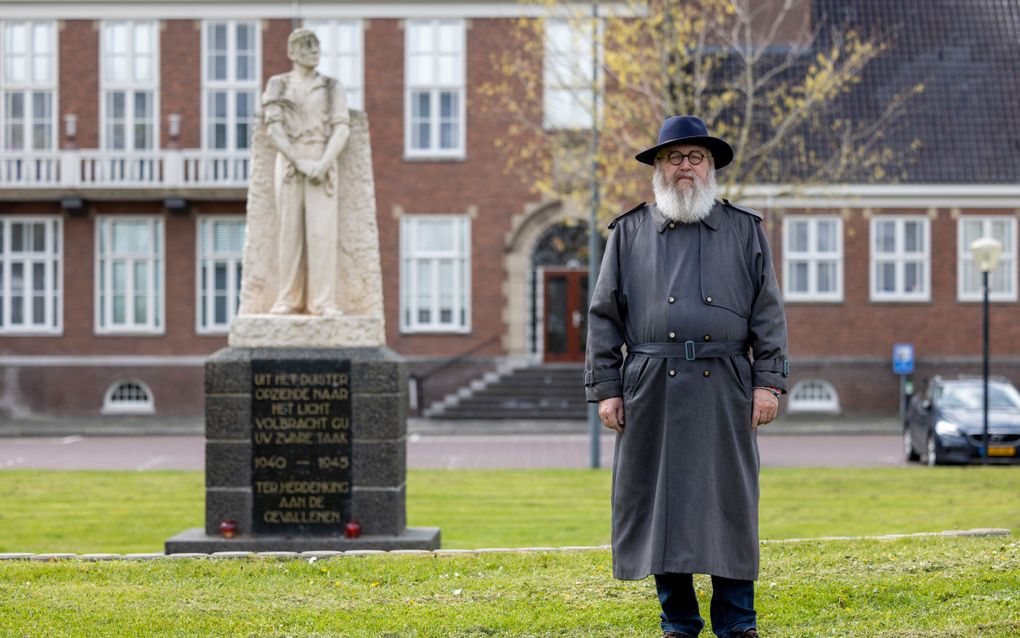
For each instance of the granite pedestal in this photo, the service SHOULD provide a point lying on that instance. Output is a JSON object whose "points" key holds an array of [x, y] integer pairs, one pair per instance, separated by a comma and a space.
{"points": [[299, 441]]}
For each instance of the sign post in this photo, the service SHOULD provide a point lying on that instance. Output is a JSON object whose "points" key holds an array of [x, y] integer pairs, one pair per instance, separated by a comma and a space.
{"points": [[903, 366]]}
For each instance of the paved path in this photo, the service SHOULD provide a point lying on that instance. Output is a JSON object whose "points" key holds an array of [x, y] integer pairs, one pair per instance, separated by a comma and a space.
{"points": [[433, 451]]}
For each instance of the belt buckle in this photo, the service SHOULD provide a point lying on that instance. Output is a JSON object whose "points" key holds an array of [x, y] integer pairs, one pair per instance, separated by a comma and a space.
{"points": [[689, 350]]}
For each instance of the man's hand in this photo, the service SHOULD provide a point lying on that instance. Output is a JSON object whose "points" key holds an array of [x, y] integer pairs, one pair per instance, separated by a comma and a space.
{"points": [[611, 413], [764, 408]]}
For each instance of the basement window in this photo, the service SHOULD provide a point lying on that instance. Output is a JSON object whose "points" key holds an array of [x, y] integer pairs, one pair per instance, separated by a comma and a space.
{"points": [[128, 397], [814, 396]]}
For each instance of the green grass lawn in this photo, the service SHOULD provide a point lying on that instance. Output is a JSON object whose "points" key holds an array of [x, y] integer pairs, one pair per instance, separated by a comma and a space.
{"points": [[910, 588], [124, 512], [907, 588]]}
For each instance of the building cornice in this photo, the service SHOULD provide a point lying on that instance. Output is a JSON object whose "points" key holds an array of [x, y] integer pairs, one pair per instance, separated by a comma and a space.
{"points": [[267, 9], [62, 361], [883, 196]]}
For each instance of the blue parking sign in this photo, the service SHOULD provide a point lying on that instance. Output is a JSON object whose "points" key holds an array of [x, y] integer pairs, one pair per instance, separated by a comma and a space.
{"points": [[903, 358]]}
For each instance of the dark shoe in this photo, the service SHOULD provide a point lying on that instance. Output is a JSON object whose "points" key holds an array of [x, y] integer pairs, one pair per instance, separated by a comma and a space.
{"points": [[675, 634], [747, 633]]}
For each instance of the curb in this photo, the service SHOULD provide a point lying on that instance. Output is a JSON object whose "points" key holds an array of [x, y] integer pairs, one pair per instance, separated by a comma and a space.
{"points": [[313, 556], [195, 426]]}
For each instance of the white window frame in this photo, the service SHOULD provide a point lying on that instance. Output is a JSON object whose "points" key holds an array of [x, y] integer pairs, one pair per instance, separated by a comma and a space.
{"points": [[409, 260], [331, 60], [52, 258], [148, 406], [156, 259], [231, 86], [900, 257], [30, 86], [580, 85], [205, 226], [108, 87], [1007, 261], [795, 405], [435, 90], [812, 257]]}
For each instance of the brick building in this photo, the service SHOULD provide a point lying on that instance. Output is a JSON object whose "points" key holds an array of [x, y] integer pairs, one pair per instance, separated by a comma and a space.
{"points": [[125, 129]]}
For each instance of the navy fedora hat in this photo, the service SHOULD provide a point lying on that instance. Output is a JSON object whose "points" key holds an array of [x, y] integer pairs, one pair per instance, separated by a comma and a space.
{"points": [[687, 129]]}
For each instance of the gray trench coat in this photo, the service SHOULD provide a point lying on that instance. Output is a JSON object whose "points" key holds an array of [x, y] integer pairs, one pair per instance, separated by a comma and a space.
{"points": [[685, 474]]}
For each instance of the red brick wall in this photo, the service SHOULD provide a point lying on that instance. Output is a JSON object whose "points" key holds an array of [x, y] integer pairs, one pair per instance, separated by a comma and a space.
{"points": [[423, 187], [181, 81], [274, 48], [79, 336], [79, 391], [79, 80], [861, 327], [855, 327]]}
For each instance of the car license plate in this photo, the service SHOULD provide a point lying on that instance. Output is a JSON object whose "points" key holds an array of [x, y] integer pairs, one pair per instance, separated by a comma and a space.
{"points": [[1001, 450]]}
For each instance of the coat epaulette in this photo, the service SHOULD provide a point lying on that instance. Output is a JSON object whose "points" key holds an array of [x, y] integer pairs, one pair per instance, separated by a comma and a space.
{"points": [[612, 224], [746, 211]]}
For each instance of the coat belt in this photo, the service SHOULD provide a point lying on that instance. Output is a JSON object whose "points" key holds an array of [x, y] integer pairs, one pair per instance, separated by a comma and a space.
{"points": [[690, 350]]}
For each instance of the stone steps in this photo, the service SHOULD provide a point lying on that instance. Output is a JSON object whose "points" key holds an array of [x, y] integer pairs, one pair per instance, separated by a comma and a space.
{"points": [[534, 392]]}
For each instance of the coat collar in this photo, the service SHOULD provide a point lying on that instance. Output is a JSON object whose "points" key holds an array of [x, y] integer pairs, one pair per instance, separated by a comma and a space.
{"points": [[319, 80], [712, 220]]}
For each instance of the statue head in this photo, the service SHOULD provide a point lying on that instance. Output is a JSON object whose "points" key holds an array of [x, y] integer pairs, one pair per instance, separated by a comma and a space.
{"points": [[303, 48]]}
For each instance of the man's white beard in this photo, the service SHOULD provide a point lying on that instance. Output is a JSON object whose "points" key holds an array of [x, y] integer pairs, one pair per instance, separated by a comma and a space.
{"points": [[684, 205]]}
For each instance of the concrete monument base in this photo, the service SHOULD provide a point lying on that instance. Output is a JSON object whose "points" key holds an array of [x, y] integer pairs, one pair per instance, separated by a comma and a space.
{"points": [[301, 443], [306, 331], [196, 541]]}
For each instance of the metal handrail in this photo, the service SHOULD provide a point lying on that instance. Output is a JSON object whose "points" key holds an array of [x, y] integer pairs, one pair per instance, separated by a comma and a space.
{"points": [[419, 379]]}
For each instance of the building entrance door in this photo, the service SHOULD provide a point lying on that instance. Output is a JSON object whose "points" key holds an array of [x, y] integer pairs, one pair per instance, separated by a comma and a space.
{"points": [[566, 315]]}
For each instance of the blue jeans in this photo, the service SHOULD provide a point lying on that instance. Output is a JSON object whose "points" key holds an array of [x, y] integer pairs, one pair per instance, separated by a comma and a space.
{"points": [[732, 605]]}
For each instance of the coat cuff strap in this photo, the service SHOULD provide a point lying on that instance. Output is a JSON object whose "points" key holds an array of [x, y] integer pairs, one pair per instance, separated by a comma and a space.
{"points": [[594, 377]]}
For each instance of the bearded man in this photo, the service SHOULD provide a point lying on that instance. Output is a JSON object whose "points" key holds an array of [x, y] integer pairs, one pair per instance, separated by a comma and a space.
{"points": [[688, 285]]}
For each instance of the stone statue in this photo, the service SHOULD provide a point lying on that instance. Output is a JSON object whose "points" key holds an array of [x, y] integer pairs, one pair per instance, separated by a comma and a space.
{"points": [[308, 123], [312, 243]]}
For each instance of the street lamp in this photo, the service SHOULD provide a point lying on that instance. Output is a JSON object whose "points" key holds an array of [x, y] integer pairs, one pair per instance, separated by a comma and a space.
{"points": [[985, 252]]}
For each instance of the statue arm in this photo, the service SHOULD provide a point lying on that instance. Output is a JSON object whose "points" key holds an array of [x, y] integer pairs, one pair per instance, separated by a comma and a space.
{"points": [[274, 103], [282, 143], [339, 120], [336, 143]]}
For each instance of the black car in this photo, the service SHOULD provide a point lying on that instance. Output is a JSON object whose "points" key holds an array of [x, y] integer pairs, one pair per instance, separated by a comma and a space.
{"points": [[945, 424]]}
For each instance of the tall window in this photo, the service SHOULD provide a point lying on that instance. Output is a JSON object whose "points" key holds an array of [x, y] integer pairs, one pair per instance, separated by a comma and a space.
{"points": [[30, 275], [129, 274], [435, 68], [813, 258], [900, 258], [342, 56], [220, 253], [29, 82], [568, 74], [130, 79], [435, 280], [230, 83], [1002, 285]]}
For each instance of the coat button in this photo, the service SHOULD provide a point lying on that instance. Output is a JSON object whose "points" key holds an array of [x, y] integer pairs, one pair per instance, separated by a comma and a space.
{"points": [[708, 299], [708, 337], [672, 335], [671, 299], [707, 373], [672, 373], [672, 225]]}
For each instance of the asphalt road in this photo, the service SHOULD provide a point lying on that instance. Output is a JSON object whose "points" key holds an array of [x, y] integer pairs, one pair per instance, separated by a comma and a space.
{"points": [[434, 451]]}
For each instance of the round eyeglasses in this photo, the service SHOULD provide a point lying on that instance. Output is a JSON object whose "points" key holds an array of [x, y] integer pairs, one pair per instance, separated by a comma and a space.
{"points": [[676, 158]]}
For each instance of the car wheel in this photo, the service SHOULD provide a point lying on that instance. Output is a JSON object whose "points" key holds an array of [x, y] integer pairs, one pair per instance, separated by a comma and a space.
{"points": [[931, 456], [908, 447]]}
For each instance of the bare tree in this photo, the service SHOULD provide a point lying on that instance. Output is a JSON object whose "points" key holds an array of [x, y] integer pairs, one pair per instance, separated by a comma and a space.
{"points": [[765, 74]]}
